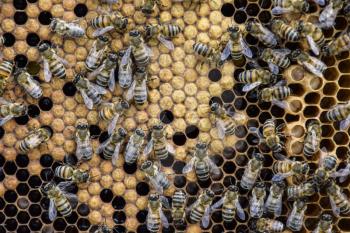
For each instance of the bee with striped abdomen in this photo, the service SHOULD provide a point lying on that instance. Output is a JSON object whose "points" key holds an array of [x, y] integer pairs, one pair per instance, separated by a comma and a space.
{"points": [[201, 162], [158, 179], [257, 200], [138, 90], [35, 138], [329, 13], [133, 148], [289, 6], [84, 150], [340, 113], [65, 29], [284, 30], [179, 207], [313, 34], [6, 68], [276, 94], [111, 147], [310, 63], [260, 32], [312, 139], [305, 189], [264, 225], [296, 217], [252, 171], [326, 166], [60, 200], [148, 6], [53, 64], [273, 203], [105, 74], [211, 55], [256, 77], [155, 216], [338, 45], [325, 224], [28, 83], [200, 210], [90, 92], [124, 71], [107, 22], [10, 110], [72, 174], [112, 111], [163, 32], [339, 201], [287, 167], [276, 58], [97, 53]]}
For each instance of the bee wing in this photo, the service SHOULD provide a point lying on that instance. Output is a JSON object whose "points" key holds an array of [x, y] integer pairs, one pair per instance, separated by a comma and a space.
{"points": [[94, 73], [279, 156], [213, 167], [47, 72], [101, 31], [283, 52], [240, 211], [130, 92], [167, 43], [5, 119], [148, 148], [313, 45], [165, 202], [281, 104], [320, 2], [206, 217], [335, 208], [278, 210], [280, 10], [323, 155], [64, 61], [170, 148], [126, 56], [52, 210], [246, 50], [313, 69], [189, 166], [344, 124], [313, 135], [282, 176], [273, 68], [3, 101], [156, 185], [112, 124], [327, 16], [100, 90], [88, 102], [115, 155], [221, 128], [342, 173], [250, 86], [281, 83], [111, 82], [217, 204], [103, 145], [227, 51], [163, 219]]}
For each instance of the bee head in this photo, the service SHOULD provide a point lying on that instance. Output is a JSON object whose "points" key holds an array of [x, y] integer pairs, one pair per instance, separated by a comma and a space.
{"points": [[77, 78], [21, 109], [201, 146], [326, 217], [82, 125], [43, 47], [306, 7], [146, 165], [47, 187], [209, 193], [85, 176], [214, 107], [153, 197], [48, 129], [259, 157], [233, 188], [249, 25], [134, 33], [157, 127], [53, 24], [260, 185], [122, 132], [103, 38], [148, 30], [305, 168], [295, 54], [300, 26], [326, 50], [330, 162], [124, 104], [140, 132]]}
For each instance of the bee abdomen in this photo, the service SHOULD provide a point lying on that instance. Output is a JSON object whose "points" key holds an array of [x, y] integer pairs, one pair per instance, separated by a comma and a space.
{"points": [[140, 96], [100, 21], [202, 49], [228, 214], [248, 179], [295, 223], [153, 224], [202, 171], [63, 206], [94, 96], [102, 79], [196, 215], [337, 114], [64, 172], [281, 167], [171, 30], [58, 69], [160, 150]]}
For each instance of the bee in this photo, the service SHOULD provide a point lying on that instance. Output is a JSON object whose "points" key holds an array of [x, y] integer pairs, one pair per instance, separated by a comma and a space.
{"points": [[157, 178], [340, 113], [290, 6], [6, 68], [268, 225], [53, 64], [163, 32], [111, 147], [236, 46], [35, 138], [201, 162], [339, 45], [226, 122], [326, 166], [260, 32], [138, 89], [158, 143], [310, 63], [90, 92], [252, 171], [339, 201], [305, 189], [200, 210], [256, 202], [107, 22], [284, 30], [112, 111], [276, 58], [132, 150], [344, 172], [179, 207], [296, 217], [60, 200], [287, 167], [96, 53], [276, 94], [84, 150], [273, 203], [155, 216], [65, 29], [72, 174], [312, 138], [329, 13], [212, 55], [28, 83], [325, 224], [148, 6], [256, 77], [313, 35], [105, 74], [230, 204], [10, 110], [124, 71]]}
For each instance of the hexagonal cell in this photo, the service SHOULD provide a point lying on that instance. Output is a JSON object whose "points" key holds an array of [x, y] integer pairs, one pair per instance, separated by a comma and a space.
{"points": [[297, 89], [312, 98], [341, 138], [327, 102], [343, 95], [328, 144], [330, 88], [311, 111], [228, 9], [344, 67]]}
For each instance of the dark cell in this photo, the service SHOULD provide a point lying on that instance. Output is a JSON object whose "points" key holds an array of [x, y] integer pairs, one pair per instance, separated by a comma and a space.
{"points": [[227, 96], [22, 189], [119, 229], [241, 146], [240, 103], [229, 167], [252, 139], [70, 159], [22, 120], [34, 210], [130, 168], [106, 195], [34, 181], [35, 224], [59, 224], [21, 60], [10, 167], [45, 104], [45, 17], [166, 116], [45, 203], [22, 174], [141, 216], [228, 9], [80, 10], [69, 89], [214, 75], [240, 16], [2, 203], [192, 188], [23, 229], [204, 184], [167, 162], [178, 166], [142, 229], [252, 96], [47, 174], [240, 3], [119, 217], [179, 138], [192, 131], [33, 39], [217, 216], [95, 131], [265, 4], [118, 203], [83, 209], [34, 196], [10, 39], [20, 4], [72, 218], [83, 224], [23, 217], [253, 111], [277, 111], [179, 181], [72, 229], [45, 217], [46, 160], [252, 9], [11, 224], [170, 229], [22, 160], [10, 210], [265, 16], [103, 137], [20, 17], [2, 175], [264, 116], [142, 188], [2, 132], [238, 89], [33, 68], [228, 152], [10, 196], [2, 217]]}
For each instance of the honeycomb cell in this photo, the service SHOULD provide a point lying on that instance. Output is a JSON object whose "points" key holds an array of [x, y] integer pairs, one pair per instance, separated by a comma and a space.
{"points": [[341, 138], [119, 217], [32, 39], [142, 188], [179, 138], [192, 131], [118, 203], [179, 181], [192, 188], [23, 217], [343, 95], [106, 195], [228, 9], [69, 89], [22, 160], [72, 218], [166, 117], [214, 75], [10, 167], [227, 96], [21, 60], [10, 39], [252, 9], [45, 104], [83, 209], [45, 17], [34, 210], [11, 224], [20, 17], [240, 16], [80, 10], [311, 111], [22, 189], [312, 98], [35, 224], [22, 120]]}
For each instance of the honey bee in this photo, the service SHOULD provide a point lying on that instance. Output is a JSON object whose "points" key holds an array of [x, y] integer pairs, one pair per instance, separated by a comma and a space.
{"points": [[339, 201], [325, 224], [313, 35], [132, 150], [212, 55], [310, 63], [226, 122], [230, 204], [287, 167], [256, 77], [72, 174], [106, 22], [265, 225], [84, 150], [273, 203], [276, 58], [163, 32], [340, 113], [344, 172], [326, 166], [28, 83], [157, 178], [112, 111], [236, 46], [179, 207], [155, 215], [35, 138], [96, 53], [90, 92], [201, 162], [65, 29], [305, 189], [339, 45], [138, 89], [200, 210], [252, 171], [158, 143], [124, 71], [256, 202], [6, 68], [53, 64], [312, 138], [105, 74], [148, 6], [111, 147], [284, 30], [260, 32], [60, 200], [276, 94], [290, 6], [329, 13], [296, 217], [10, 110]]}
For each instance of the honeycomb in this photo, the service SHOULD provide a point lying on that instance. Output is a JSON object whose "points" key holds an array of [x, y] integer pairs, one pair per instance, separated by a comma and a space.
{"points": [[179, 93]]}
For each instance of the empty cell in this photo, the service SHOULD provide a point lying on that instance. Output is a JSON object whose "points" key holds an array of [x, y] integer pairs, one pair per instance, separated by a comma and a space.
{"points": [[80, 10], [252, 9], [11, 224], [344, 67], [241, 131], [251, 40], [327, 130], [276, 111], [291, 118], [32, 39], [328, 33], [69, 89], [342, 56], [179, 138], [265, 16], [21, 60], [45, 18], [265, 4], [227, 96], [214, 75], [241, 146], [296, 89], [344, 225], [228, 152], [328, 144], [311, 111], [264, 116], [329, 61], [343, 95], [229, 167], [341, 152], [240, 3], [215, 99], [344, 81], [9, 39], [22, 160], [240, 16], [252, 111], [20, 17], [228, 9], [330, 88], [332, 73], [252, 96], [327, 102], [240, 104], [312, 98], [341, 138]]}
